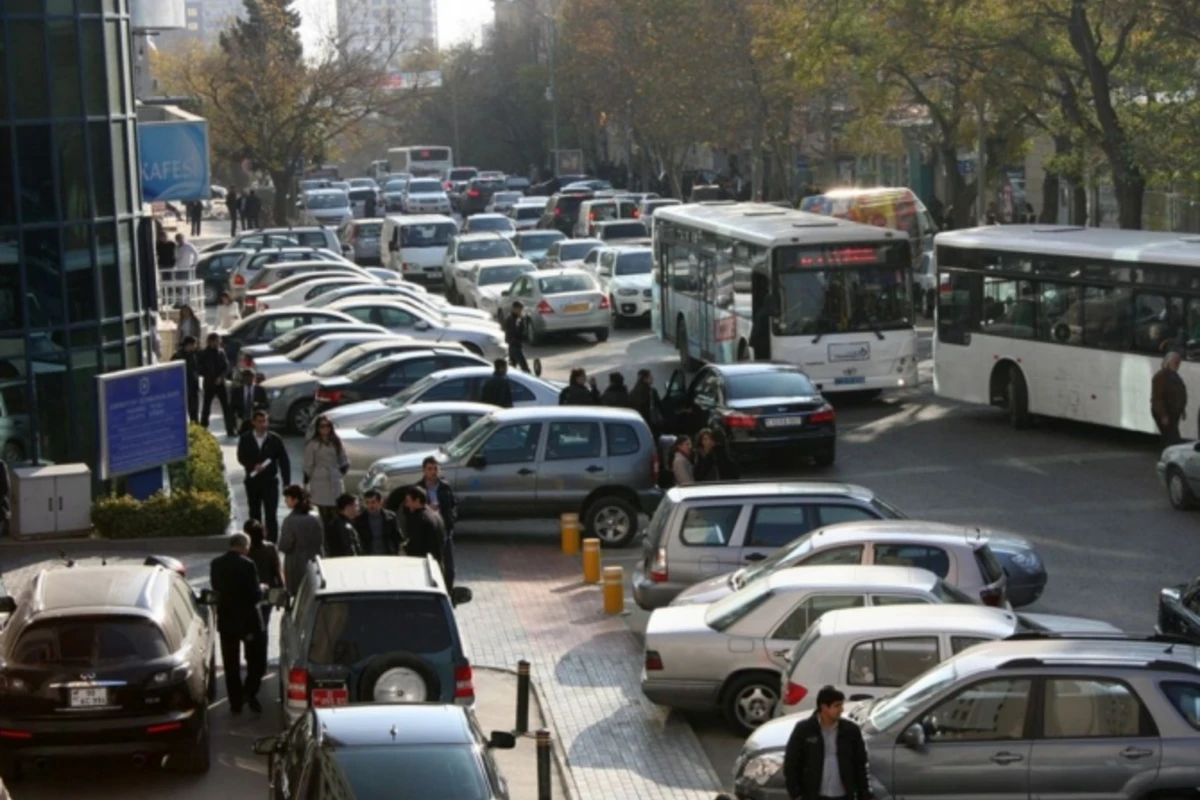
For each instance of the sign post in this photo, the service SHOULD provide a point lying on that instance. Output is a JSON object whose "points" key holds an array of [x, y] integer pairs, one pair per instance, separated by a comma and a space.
{"points": [[143, 424]]}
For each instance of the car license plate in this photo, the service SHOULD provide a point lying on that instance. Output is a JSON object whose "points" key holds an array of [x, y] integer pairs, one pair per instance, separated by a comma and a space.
{"points": [[783, 422], [89, 698], [325, 698], [575, 308], [845, 381]]}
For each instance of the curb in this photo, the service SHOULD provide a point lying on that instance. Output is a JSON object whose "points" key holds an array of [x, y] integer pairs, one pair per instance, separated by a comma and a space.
{"points": [[561, 763]]}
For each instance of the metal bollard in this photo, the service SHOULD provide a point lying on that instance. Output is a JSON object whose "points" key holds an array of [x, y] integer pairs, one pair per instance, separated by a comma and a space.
{"points": [[569, 526], [522, 697], [543, 764], [591, 560], [614, 590]]}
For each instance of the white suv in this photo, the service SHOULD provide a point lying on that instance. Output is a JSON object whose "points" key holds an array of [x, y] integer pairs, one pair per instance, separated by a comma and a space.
{"points": [[626, 275]]}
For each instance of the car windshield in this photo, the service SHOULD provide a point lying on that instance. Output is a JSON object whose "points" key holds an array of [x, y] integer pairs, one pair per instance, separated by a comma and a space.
{"points": [[378, 426], [305, 350], [886, 510], [341, 363], [575, 251], [370, 230], [490, 276], [469, 439], [410, 772], [728, 610], [361, 193], [506, 197], [538, 241], [775, 383], [487, 185], [529, 212], [436, 235], [841, 299], [323, 200], [641, 263], [286, 342], [424, 187], [347, 632], [462, 174], [395, 186], [785, 556], [890, 710], [90, 641], [599, 212], [490, 224], [562, 284], [486, 250]]}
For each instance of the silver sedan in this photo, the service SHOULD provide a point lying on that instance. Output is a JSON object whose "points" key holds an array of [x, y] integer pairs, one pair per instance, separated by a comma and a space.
{"points": [[410, 429], [560, 301], [1179, 472]]}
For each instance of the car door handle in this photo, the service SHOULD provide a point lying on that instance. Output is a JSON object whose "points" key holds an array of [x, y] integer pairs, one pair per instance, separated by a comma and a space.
{"points": [[594, 468], [781, 653], [755, 557], [525, 471], [1135, 753], [1007, 758]]}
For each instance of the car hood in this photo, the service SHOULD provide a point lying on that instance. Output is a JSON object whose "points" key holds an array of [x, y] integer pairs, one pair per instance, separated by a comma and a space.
{"points": [[290, 380], [632, 281], [492, 292], [354, 409], [454, 313], [1057, 623], [674, 620], [336, 382], [402, 464], [706, 591]]}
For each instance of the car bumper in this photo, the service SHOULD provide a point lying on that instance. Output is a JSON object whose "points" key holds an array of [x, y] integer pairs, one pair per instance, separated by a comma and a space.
{"points": [[799, 442], [598, 319], [632, 306], [745, 789], [100, 737], [649, 594], [683, 695]]}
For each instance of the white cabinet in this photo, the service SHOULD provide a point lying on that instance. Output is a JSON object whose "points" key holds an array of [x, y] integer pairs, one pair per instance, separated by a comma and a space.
{"points": [[52, 501]]}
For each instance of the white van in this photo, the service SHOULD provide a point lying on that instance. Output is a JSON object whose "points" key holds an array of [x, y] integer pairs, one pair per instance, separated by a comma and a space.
{"points": [[415, 246]]}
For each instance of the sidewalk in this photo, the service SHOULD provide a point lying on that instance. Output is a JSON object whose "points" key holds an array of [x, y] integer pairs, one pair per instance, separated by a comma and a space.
{"points": [[496, 708]]}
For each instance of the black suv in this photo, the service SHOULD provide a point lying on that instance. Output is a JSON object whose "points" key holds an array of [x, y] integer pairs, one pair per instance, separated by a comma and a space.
{"points": [[114, 661], [478, 194], [562, 211]]}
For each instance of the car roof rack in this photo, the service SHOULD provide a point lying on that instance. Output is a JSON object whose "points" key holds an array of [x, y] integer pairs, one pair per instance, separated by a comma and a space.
{"points": [[1116, 636], [320, 573], [430, 566], [1159, 664]]}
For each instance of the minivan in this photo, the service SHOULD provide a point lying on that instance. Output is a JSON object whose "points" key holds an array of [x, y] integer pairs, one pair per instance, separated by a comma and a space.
{"points": [[415, 246]]}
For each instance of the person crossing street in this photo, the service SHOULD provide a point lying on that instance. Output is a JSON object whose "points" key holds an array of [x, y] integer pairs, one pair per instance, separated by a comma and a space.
{"points": [[235, 581], [516, 329]]}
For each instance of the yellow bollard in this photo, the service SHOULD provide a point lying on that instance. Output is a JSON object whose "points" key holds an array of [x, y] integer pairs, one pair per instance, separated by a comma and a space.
{"points": [[591, 560], [614, 590], [569, 526]]}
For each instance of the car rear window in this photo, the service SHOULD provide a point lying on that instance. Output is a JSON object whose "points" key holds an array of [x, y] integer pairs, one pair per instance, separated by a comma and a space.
{"points": [[945, 593], [311, 239], [437, 235], [361, 194], [462, 174], [372, 230], [769, 384], [486, 250], [411, 772], [569, 204], [570, 251], [350, 630], [989, 565], [424, 187], [561, 284], [1186, 699], [90, 641], [728, 610], [529, 212], [487, 185], [658, 522], [625, 230]]}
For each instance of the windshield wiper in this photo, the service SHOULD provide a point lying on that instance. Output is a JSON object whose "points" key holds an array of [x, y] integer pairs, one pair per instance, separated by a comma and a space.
{"points": [[875, 327]]}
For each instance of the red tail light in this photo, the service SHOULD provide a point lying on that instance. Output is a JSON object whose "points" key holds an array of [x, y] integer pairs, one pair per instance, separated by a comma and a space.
{"points": [[823, 415], [544, 308], [324, 396], [658, 567], [464, 683], [449, 186], [653, 661], [251, 302], [238, 280], [604, 303], [558, 212], [7, 734], [742, 421], [164, 728], [473, 193], [794, 695], [992, 597], [637, 213], [297, 687], [592, 216]]}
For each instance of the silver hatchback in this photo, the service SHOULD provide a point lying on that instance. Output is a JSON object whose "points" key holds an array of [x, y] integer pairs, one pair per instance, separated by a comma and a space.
{"points": [[560, 301]]}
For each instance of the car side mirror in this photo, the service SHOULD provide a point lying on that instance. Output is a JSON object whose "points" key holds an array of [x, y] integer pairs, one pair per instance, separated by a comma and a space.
{"points": [[502, 740], [266, 746], [8, 605], [208, 597], [461, 595], [504, 293], [421, 325], [913, 736], [477, 462]]}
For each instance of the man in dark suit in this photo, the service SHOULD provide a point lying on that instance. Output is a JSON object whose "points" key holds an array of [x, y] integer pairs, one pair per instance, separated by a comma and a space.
{"points": [[214, 366], [235, 580], [246, 399], [187, 354], [341, 534], [440, 498], [378, 529], [262, 454], [426, 532]]}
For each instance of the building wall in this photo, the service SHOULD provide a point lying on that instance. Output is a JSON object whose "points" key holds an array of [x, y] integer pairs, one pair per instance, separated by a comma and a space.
{"points": [[204, 20], [70, 204]]}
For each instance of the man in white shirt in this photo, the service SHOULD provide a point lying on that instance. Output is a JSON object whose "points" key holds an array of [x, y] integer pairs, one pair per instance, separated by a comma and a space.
{"points": [[186, 254]]}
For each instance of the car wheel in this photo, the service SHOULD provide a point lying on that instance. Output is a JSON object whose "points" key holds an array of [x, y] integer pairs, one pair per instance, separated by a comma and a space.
{"points": [[14, 451], [197, 758], [750, 700], [826, 457], [210, 294], [1178, 491], [211, 690], [1018, 399], [617, 320], [400, 678], [602, 335], [300, 415], [612, 520], [532, 336]]}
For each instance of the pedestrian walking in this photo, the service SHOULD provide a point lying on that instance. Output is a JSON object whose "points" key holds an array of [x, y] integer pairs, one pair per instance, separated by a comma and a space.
{"points": [[370, 206], [302, 538], [164, 248], [234, 578], [378, 529], [195, 213], [426, 535], [265, 556], [186, 255], [580, 390], [245, 400], [325, 463], [496, 390], [615, 394], [188, 324], [826, 758], [214, 366], [187, 354], [341, 537], [231, 202], [228, 313], [645, 400], [713, 462], [682, 468], [440, 498], [516, 330], [265, 460], [251, 211], [1168, 399]]}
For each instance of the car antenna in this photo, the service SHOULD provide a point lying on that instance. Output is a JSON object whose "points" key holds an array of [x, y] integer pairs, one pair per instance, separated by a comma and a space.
{"points": [[70, 562]]}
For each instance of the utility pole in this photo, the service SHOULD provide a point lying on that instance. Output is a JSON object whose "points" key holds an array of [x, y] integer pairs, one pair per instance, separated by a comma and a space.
{"points": [[553, 90], [981, 168], [458, 153]]}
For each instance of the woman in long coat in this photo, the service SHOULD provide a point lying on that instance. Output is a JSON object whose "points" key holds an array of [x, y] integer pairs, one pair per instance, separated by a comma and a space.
{"points": [[325, 463]]}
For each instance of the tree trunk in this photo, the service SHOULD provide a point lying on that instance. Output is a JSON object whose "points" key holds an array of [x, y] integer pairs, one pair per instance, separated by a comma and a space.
{"points": [[1131, 194], [959, 196], [1078, 203], [283, 196], [1050, 188]]}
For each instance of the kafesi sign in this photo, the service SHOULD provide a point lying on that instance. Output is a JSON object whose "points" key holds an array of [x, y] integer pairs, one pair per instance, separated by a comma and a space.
{"points": [[175, 164]]}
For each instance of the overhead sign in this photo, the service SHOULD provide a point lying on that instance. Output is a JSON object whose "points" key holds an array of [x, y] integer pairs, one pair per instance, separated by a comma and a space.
{"points": [[143, 418], [175, 163]]}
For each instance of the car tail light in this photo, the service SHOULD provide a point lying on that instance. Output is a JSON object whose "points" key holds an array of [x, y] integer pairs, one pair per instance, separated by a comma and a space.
{"points": [[637, 213], [558, 212], [7, 734], [238, 280], [327, 396], [604, 304], [251, 302], [592, 216], [449, 186], [741, 421], [464, 683], [165, 727], [653, 661], [825, 414], [993, 597], [297, 688], [794, 695], [658, 566], [544, 308], [473, 193]]}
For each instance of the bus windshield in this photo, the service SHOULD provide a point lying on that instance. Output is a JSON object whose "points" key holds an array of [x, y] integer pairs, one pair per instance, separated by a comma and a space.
{"points": [[820, 293]]}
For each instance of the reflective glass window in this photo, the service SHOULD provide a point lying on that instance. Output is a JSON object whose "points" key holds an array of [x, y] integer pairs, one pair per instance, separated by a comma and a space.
{"points": [[8, 177], [35, 159], [101, 146], [91, 49], [85, 366], [120, 169], [72, 171], [42, 257], [28, 40], [60, 6], [126, 274], [66, 90], [51, 388], [114, 67], [82, 302], [110, 275], [12, 312]]}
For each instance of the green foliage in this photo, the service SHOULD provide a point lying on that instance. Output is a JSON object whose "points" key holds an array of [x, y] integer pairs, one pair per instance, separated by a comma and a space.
{"points": [[204, 468]]}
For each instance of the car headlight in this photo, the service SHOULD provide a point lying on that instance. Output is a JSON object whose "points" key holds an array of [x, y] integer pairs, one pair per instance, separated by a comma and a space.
{"points": [[761, 769], [627, 292]]}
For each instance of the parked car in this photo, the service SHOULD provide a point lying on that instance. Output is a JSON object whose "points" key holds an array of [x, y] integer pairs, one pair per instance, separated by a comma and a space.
{"points": [[1114, 718], [386, 376], [425, 196], [251, 264], [406, 752], [398, 289], [517, 184], [541, 462], [362, 236], [478, 193], [115, 660], [562, 301], [454, 181], [409, 429], [414, 247], [502, 201], [533, 244], [306, 236], [571, 253], [488, 223], [264, 282], [626, 231], [1179, 473], [263, 327], [752, 518], [401, 315], [302, 289], [315, 353], [602, 209], [333, 651], [216, 270], [484, 286], [526, 213], [469, 249], [649, 205], [392, 295], [298, 337], [562, 211], [626, 275], [463, 384], [325, 207], [1179, 611]]}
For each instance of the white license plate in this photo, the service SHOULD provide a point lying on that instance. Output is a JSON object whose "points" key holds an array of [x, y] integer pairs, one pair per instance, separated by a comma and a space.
{"points": [[89, 698], [783, 422]]}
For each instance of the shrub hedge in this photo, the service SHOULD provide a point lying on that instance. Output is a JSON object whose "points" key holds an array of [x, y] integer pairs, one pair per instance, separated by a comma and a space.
{"points": [[198, 504]]}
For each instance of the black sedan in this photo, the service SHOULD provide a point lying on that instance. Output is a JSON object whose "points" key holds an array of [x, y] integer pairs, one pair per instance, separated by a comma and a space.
{"points": [[1179, 611], [478, 194], [762, 408], [388, 375]]}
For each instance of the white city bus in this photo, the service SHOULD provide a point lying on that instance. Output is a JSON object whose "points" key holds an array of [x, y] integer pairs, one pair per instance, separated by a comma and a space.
{"points": [[423, 161], [832, 296], [1065, 322]]}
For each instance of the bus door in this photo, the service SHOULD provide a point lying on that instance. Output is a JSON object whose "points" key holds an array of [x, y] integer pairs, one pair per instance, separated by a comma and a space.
{"points": [[705, 304]]}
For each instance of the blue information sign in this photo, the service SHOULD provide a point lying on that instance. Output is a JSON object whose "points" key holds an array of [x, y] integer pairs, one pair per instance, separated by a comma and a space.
{"points": [[175, 164], [143, 418]]}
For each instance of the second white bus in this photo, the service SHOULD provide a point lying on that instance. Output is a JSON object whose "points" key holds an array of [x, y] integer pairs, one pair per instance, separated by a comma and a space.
{"points": [[423, 161]]}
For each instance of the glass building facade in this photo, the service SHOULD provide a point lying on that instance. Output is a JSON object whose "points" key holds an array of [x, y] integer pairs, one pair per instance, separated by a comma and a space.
{"points": [[71, 305]]}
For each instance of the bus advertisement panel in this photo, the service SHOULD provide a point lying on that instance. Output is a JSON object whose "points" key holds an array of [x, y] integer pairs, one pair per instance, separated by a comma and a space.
{"points": [[897, 209]]}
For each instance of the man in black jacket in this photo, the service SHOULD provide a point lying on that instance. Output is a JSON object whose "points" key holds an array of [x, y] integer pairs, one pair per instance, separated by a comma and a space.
{"points": [[826, 758], [378, 529], [234, 578], [515, 330], [426, 534], [580, 390], [187, 354], [341, 536], [214, 366], [496, 390], [264, 458], [246, 399], [440, 498]]}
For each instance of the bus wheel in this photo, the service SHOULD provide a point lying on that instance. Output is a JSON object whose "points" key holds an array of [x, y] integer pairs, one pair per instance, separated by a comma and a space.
{"points": [[1017, 399]]}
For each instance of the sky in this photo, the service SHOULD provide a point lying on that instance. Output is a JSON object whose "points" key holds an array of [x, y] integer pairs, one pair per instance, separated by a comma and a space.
{"points": [[457, 19]]}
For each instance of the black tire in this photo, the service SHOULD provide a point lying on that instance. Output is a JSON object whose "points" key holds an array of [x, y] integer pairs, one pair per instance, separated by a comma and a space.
{"points": [[1178, 491], [299, 415], [211, 294], [537, 367], [210, 691], [532, 337], [602, 335], [196, 758], [400, 660], [612, 519], [825, 458], [749, 700], [1018, 399], [617, 320]]}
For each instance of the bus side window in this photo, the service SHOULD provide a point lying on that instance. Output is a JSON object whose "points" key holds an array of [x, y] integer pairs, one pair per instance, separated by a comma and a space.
{"points": [[960, 306], [1158, 323], [1192, 334]]}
